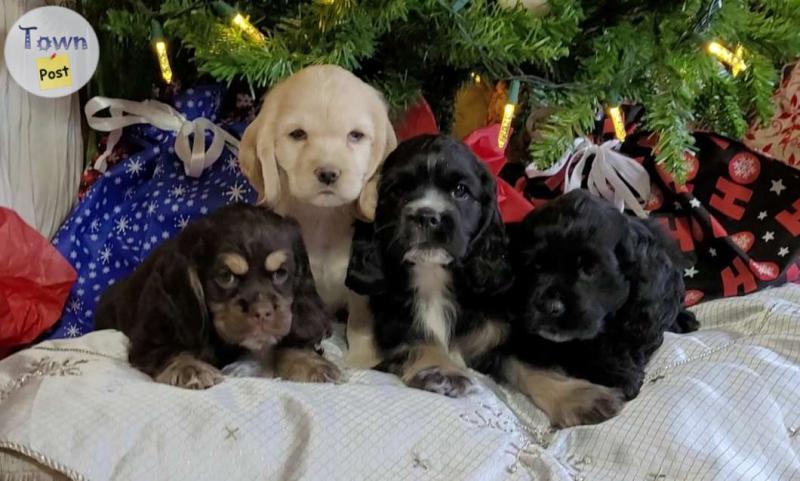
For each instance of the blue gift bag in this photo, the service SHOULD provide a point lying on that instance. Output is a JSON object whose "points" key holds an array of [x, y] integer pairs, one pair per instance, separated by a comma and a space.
{"points": [[148, 196]]}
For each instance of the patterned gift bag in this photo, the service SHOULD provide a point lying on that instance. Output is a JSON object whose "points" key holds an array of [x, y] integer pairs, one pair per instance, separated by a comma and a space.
{"points": [[780, 138], [177, 165], [737, 218]]}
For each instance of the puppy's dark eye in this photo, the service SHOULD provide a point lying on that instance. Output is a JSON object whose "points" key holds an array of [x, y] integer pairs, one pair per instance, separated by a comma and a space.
{"points": [[280, 276], [226, 280], [460, 192], [298, 134], [355, 136]]}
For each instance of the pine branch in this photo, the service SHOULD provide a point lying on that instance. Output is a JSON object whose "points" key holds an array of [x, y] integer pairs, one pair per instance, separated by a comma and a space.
{"points": [[584, 54], [575, 119], [757, 89], [719, 107], [669, 114], [400, 91]]}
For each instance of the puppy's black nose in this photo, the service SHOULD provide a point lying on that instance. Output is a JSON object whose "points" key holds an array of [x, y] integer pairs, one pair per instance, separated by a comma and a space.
{"points": [[327, 175], [553, 307], [263, 312], [426, 217]]}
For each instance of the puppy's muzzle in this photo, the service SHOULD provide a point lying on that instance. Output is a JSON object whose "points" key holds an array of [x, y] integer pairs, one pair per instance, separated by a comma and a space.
{"points": [[327, 175], [552, 307], [425, 221], [547, 309], [264, 314], [426, 228], [424, 218]]}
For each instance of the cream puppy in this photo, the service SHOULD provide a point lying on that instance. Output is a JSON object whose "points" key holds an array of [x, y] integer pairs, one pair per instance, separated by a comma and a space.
{"points": [[314, 153]]}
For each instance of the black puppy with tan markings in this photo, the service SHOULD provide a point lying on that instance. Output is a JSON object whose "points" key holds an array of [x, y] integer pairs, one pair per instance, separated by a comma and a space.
{"points": [[595, 290], [435, 269], [234, 283]]}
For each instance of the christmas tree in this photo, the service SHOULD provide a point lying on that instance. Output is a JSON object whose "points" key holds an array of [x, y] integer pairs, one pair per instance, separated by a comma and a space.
{"points": [[690, 64]]}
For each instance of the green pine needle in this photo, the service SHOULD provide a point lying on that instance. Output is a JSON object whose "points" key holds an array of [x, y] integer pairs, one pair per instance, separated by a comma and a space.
{"points": [[581, 56]]}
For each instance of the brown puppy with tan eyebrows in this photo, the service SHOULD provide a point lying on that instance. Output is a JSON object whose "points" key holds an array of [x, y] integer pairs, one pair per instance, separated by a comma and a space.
{"points": [[234, 283]]}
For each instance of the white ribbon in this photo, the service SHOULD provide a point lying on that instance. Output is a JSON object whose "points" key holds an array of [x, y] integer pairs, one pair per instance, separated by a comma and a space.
{"points": [[612, 175], [124, 113]]}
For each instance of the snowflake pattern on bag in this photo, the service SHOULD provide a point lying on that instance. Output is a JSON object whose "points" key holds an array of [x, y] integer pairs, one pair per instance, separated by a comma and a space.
{"points": [[141, 201]]}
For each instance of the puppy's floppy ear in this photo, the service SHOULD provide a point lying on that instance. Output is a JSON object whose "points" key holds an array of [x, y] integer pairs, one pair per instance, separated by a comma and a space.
{"points": [[487, 269], [656, 283], [257, 150], [365, 270], [171, 314], [383, 144], [628, 249], [311, 323], [192, 251]]}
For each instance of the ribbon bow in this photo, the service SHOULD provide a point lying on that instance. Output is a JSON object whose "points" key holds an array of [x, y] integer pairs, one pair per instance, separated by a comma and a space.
{"points": [[124, 113], [612, 175]]}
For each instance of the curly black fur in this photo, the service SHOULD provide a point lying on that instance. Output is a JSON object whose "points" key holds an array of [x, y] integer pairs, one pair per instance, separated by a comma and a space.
{"points": [[594, 291]]}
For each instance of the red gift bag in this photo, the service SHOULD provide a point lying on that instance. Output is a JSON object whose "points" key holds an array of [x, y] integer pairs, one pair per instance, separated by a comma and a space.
{"points": [[34, 283]]}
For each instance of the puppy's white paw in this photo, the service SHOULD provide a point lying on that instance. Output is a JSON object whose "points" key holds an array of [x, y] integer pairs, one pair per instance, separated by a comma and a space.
{"points": [[187, 372], [439, 380], [587, 403], [244, 368]]}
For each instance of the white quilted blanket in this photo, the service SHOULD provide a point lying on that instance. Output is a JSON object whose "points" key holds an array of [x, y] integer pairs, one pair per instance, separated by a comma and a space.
{"points": [[721, 404]]}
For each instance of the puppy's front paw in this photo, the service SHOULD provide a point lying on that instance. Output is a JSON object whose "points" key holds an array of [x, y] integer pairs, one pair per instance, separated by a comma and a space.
{"points": [[588, 403], [306, 366], [187, 372], [366, 358], [447, 382]]}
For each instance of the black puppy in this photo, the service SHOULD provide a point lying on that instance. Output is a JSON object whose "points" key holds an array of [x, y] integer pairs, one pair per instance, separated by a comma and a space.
{"points": [[434, 266], [595, 290], [432, 261], [235, 282]]}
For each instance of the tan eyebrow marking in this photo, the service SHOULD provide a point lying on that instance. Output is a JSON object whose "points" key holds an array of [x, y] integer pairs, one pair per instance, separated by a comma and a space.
{"points": [[236, 263], [275, 260]]}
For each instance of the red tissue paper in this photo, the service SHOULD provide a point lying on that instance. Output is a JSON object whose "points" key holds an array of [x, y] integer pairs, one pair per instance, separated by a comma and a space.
{"points": [[512, 203], [34, 283]]}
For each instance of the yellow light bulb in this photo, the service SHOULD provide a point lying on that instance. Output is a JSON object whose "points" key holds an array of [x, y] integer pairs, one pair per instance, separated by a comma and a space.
{"points": [[475, 77], [505, 125], [734, 60], [615, 114], [243, 23], [163, 61], [739, 66]]}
